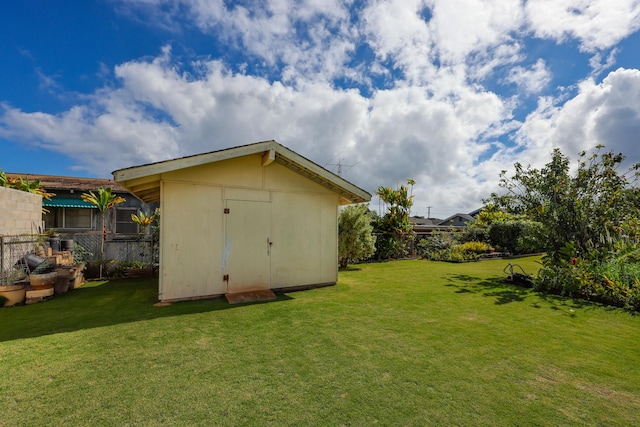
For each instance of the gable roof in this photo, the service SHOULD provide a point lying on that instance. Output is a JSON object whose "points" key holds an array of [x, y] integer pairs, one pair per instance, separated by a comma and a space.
{"points": [[144, 181], [463, 217], [424, 221], [476, 212]]}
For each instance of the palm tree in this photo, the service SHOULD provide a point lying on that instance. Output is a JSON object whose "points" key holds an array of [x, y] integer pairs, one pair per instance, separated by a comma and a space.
{"points": [[144, 220], [104, 200]]}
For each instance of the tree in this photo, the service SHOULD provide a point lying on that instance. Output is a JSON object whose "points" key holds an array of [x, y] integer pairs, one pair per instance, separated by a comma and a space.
{"points": [[355, 234], [586, 207], [394, 225], [505, 231], [104, 200], [144, 220]]}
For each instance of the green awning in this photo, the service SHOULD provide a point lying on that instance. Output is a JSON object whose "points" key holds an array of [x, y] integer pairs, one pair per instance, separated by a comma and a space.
{"points": [[66, 202]]}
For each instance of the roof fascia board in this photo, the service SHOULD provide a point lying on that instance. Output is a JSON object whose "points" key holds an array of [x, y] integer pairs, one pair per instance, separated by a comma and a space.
{"points": [[322, 172], [191, 161], [272, 151]]}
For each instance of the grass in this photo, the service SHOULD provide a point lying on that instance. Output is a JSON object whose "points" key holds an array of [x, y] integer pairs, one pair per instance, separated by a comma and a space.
{"points": [[400, 343]]}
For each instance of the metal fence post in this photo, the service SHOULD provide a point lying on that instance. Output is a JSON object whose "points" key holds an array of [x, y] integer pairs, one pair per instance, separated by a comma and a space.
{"points": [[1, 254]]}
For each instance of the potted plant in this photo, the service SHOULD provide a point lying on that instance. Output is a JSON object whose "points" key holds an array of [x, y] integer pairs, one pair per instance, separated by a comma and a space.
{"points": [[12, 289], [54, 239]]}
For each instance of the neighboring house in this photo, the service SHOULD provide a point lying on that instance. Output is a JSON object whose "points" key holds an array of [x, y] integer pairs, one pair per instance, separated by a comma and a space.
{"points": [[476, 212], [454, 222], [67, 213], [457, 220], [249, 218], [423, 224]]}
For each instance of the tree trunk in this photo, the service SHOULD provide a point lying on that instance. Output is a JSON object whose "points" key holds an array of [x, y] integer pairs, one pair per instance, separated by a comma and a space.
{"points": [[103, 237]]}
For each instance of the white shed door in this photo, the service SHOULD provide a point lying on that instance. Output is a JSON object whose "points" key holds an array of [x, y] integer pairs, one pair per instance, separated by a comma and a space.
{"points": [[248, 245]]}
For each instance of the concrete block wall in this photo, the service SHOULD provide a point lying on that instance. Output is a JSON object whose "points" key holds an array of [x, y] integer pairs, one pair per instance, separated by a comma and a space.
{"points": [[20, 212]]}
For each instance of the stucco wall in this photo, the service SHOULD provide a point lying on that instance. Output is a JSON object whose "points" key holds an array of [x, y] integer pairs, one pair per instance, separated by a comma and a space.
{"points": [[20, 212], [296, 246]]}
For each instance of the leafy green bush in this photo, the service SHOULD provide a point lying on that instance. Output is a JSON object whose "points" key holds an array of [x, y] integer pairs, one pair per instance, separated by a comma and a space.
{"points": [[517, 236], [355, 238], [455, 254], [531, 238], [432, 246], [613, 281], [80, 254], [390, 246], [121, 267], [475, 247], [474, 233]]}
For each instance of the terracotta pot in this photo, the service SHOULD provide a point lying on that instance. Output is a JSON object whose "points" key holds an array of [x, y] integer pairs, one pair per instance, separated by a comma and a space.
{"points": [[62, 285], [43, 281], [13, 294]]}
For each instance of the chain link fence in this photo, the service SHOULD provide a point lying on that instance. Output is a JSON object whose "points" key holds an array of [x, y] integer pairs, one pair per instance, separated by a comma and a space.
{"points": [[86, 248], [394, 246], [12, 250], [391, 246]]}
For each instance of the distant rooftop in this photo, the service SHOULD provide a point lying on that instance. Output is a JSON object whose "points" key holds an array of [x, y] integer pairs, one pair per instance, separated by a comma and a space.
{"points": [[51, 182]]}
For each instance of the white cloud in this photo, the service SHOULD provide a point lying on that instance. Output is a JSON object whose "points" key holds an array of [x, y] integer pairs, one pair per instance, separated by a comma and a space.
{"points": [[596, 24], [532, 80], [159, 112], [605, 113], [600, 62], [97, 137], [297, 38], [431, 119], [462, 27]]}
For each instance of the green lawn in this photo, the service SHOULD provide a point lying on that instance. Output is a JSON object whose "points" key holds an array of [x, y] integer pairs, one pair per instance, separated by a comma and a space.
{"points": [[396, 344]]}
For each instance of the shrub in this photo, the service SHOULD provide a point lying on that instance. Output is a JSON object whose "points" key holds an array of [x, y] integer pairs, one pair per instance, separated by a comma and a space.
{"points": [[475, 247], [390, 246], [504, 235], [517, 236], [613, 282], [454, 254], [443, 247], [431, 246], [474, 233], [355, 240], [121, 267], [80, 254]]}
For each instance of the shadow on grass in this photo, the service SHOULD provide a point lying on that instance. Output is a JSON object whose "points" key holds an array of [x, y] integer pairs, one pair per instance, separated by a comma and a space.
{"points": [[492, 287], [349, 269], [100, 304], [506, 292]]}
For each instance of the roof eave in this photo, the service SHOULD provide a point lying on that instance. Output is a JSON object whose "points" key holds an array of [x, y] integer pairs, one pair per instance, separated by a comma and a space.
{"points": [[144, 181]]}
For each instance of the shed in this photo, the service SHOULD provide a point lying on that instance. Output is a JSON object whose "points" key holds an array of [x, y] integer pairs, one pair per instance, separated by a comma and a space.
{"points": [[249, 218]]}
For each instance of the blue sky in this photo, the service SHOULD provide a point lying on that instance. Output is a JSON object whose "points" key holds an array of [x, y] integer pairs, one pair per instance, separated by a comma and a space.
{"points": [[447, 92]]}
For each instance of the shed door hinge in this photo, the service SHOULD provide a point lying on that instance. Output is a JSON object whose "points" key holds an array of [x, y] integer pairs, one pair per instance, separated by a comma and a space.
{"points": [[227, 210], [225, 278]]}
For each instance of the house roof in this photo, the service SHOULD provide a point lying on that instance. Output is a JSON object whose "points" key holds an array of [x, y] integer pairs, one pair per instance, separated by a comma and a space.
{"points": [[52, 183], [424, 221], [476, 212], [144, 181], [462, 216]]}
